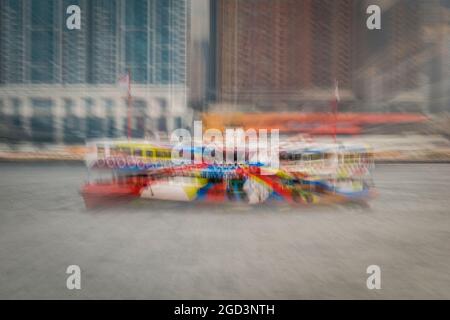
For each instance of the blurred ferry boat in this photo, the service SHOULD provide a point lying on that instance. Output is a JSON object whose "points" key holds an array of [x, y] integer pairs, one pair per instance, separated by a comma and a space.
{"points": [[123, 170]]}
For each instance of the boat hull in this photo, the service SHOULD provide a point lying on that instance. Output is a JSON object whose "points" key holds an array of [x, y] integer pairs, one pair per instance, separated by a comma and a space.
{"points": [[99, 195]]}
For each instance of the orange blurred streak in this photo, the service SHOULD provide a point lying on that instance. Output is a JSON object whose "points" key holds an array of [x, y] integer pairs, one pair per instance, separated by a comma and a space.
{"points": [[318, 122]]}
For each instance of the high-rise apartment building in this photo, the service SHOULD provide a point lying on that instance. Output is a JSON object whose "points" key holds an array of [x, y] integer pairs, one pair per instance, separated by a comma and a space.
{"points": [[392, 64], [282, 51], [287, 54]]}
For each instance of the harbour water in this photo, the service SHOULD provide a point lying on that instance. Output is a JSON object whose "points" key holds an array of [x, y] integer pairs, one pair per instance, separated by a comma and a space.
{"points": [[166, 250]]}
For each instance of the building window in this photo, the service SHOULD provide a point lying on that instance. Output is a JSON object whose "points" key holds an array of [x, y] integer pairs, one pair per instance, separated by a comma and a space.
{"points": [[73, 132], [139, 105], [178, 122], [89, 103], [94, 127], [111, 128], [42, 36], [42, 106], [109, 106], [16, 104], [162, 104], [162, 124], [69, 106], [17, 116], [136, 40], [42, 120]]}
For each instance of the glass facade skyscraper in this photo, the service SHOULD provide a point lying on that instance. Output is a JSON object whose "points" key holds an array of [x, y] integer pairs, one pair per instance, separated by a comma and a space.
{"points": [[146, 37], [58, 84]]}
